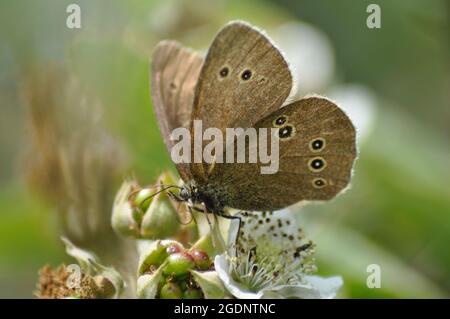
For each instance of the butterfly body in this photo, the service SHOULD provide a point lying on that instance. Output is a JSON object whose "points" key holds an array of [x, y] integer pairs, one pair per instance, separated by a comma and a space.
{"points": [[210, 197], [244, 82]]}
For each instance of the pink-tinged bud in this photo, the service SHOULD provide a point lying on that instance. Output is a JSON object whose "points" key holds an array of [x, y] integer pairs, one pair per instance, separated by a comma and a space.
{"points": [[201, 259]]}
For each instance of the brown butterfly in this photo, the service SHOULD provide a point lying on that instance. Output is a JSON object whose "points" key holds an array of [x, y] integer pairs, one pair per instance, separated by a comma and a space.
{"points": [[243, 82]]}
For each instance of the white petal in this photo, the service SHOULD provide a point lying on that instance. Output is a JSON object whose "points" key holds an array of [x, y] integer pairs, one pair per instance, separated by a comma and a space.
{"points": [[327, 287], [237, 290], [292, 291]]}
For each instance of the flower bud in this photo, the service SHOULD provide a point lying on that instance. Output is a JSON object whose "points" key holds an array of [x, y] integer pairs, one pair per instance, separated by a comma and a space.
{"points": [[178, 264], [170, 291], [124, 219], [173, 248], [142, 199], [201, 259], [193, 293], [161, 218], [144, 213], [153, 253]]}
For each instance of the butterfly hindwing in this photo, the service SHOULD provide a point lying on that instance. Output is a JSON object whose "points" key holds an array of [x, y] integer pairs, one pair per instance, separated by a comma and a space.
{"points": [[316, 148]]}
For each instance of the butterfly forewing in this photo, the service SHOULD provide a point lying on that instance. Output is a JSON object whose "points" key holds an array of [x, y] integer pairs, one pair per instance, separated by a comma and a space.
{"points": [[175, 72], [244, 78]]}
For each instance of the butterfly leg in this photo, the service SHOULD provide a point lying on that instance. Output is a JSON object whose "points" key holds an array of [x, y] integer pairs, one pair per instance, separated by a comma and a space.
{"points": [[198, 209], [232, 217], [206, 216]]}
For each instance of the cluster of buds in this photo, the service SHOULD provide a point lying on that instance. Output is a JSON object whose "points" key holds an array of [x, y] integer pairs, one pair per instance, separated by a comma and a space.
{"points": [[150, 213], [168, 270], [170, 266], [175, 267]]}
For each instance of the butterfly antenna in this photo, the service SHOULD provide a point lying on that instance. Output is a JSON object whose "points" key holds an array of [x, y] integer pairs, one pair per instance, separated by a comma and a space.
{"points": [[138, 189], [166, 187], [162, 185]]}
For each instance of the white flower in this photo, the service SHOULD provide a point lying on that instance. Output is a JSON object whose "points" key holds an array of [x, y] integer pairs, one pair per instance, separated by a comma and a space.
{"points": [[271, 259]]}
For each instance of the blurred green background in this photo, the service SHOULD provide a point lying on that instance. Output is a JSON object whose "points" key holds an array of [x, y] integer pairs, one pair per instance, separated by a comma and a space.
{"points": [[76, 118]]}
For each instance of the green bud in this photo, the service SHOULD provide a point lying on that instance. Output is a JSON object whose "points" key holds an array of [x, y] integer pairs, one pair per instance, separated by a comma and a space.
{"points": [[160, 219], [170, 291], [143, 198], [152, 253], [193, 293], [178, 264], [145, 213], [124, 220], [183, 284]]}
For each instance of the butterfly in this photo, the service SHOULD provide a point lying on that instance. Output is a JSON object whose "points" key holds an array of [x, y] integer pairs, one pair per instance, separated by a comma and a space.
{"points": [[244, 81]]}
